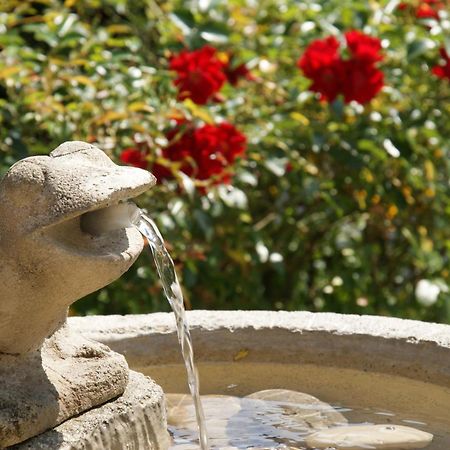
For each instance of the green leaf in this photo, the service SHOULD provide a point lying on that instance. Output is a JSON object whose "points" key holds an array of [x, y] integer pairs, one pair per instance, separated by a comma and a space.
{"points": [[67, 24], [419, 47], [447, 44], [183, 19], [72, 38], [10, 39], [372, 147], [214, 32]]}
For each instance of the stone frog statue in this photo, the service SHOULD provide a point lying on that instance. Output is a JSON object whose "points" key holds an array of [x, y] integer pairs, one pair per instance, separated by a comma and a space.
{"points": [[47, 373]]}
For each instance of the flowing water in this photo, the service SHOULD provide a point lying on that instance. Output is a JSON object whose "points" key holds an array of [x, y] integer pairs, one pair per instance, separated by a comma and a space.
{"points": [[172, 290]]}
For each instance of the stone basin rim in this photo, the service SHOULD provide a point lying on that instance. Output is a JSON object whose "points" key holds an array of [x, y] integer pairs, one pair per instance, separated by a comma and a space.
{"points": [[409, 348], [134, 325]]}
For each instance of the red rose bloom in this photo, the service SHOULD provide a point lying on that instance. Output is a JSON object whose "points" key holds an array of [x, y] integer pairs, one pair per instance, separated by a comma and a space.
{"points": [[429, 9], [217, 146], [356, 78], [234, 72], [362, 81], [199, 74], [134, 157], [443, 71], [204, 153], [319, 63], [362, 47], [424, 9], [402, 6], [181, 143]]}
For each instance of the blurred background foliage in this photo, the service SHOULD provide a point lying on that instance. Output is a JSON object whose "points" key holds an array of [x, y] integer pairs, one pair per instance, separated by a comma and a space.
{"points": [[335, 207]]}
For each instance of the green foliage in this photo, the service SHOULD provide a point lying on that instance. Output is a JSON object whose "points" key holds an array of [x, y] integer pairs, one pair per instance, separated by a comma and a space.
{"points": [[335, 207]]}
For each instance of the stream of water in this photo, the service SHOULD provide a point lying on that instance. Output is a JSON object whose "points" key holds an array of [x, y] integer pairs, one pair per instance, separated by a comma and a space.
{"points": [[172, 290]]}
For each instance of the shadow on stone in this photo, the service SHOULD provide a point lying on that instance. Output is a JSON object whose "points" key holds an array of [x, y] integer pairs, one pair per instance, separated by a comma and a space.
{"points": [[54, 440], [28, 400]]}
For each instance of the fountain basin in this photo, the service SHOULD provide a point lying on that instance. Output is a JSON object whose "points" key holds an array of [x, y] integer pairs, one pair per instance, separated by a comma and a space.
{"points": [[388, 364]]}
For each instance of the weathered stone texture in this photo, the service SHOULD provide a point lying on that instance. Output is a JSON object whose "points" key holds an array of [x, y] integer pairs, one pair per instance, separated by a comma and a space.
{"points": [[136, 420]]}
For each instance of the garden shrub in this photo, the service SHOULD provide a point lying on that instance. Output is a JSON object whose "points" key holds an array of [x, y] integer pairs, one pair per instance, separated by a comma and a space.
{"points": [[301, 146]]}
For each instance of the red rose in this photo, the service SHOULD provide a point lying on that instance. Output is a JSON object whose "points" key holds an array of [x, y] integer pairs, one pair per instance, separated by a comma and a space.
{"points": [[199, 74], [443, 71], [424, 9], [429, 9], [356, 78], [217, 146], [204, 153], [235, 72], [363, 47], [402, 6], [181, 143], [362, 81], [134, 157], [319, 63], [319, 54]]}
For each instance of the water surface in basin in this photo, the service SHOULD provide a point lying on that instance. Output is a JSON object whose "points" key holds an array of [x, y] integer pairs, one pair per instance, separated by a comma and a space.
{"points": [[361, 397], [294, 420]]}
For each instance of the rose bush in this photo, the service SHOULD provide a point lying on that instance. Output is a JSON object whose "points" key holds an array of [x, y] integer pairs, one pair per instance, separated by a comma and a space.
{"points": [[301, 147]]}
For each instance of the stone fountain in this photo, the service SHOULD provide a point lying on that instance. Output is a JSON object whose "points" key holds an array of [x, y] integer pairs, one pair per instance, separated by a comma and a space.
{"points": [[66, 383], [49, 373]]}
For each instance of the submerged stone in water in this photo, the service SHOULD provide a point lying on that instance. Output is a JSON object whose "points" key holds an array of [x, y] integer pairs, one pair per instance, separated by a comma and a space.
{"points": [[303, 408], [375, 437], [218, 409], [271, 419]]}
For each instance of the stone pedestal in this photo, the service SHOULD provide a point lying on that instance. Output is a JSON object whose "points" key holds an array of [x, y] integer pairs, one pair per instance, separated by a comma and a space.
{"points": [[68, 375], [136, 420]]}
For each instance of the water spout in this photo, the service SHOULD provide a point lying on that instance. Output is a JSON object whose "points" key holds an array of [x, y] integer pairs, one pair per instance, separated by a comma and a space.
{"points": [[115, 217]]}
